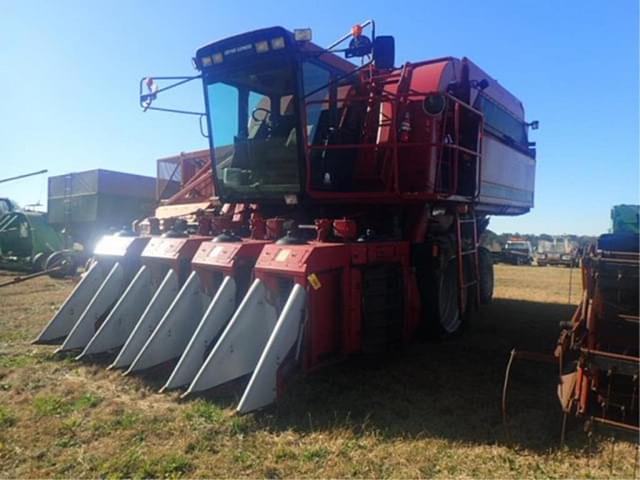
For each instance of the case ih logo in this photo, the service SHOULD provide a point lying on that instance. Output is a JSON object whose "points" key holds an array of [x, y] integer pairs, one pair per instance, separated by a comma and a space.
{"points": [[239, 49]]}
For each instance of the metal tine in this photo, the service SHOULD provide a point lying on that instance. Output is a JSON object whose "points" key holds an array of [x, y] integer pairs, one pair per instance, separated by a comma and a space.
{"points": [[239, 348], [100, 304], [68, 314], [114, 331], [262, 388], [172, 334], [147, 323], [215, 318]]}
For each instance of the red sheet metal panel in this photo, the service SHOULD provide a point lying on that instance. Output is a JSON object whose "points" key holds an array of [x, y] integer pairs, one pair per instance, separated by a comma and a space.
{"points": [[166, 252]]}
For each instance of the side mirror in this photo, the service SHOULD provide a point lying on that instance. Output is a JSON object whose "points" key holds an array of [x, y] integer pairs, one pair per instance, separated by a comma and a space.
{"points": [[384, 52]]}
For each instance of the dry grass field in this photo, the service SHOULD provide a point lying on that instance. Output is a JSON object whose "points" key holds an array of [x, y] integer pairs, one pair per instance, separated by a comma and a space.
{"points": [[431, 411]]}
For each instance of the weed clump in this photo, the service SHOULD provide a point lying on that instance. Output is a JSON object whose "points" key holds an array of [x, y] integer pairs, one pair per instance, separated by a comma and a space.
{"points": [[7, 419], [134, 464], [16, 361], [205, 412], [52, 405]]}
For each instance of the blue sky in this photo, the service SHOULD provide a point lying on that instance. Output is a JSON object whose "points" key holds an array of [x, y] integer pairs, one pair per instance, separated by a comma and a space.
{"points": [[70, 72]]}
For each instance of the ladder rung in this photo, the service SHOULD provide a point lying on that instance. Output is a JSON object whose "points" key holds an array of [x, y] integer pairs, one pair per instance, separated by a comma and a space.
{"points": [[465, 285], [468, 252], [467, 220]]}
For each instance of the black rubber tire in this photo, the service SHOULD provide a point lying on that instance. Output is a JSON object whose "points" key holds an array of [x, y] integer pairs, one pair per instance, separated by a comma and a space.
{"points": [[38, 261], [486, 275], [63, 259], [450, 319], [439, 295]]}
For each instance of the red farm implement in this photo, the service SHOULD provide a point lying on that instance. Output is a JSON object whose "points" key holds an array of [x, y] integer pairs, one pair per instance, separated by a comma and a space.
{"points": [[597, 351]]}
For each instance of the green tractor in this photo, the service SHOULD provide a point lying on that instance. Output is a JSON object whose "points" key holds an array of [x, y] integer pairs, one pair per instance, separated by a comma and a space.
{"points": [[29, 243]]}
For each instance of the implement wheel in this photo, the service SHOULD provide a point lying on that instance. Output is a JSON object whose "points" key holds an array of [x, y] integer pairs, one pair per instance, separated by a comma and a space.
{"points": [[61, 259], [38, 261]]}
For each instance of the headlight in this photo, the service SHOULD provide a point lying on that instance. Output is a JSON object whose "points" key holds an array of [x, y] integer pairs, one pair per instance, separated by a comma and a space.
{"points": [[277, 43], [262, 46], [217, 57], [302, 34]]}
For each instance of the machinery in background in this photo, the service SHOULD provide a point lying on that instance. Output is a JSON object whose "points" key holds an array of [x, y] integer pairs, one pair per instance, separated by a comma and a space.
{"points": [[87, 205], [517, 252], [559, 251], [27, 242], [624, 220], [598, 349], [184, 179], [82, 207], [347, 203], [597, 352]]}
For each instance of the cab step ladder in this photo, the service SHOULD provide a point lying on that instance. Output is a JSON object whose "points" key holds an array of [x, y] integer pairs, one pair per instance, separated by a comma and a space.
{"points": [[468, 270]]}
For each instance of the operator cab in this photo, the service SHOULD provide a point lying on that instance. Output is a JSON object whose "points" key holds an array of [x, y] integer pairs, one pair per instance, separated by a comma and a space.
{"points": [[253, 86]]}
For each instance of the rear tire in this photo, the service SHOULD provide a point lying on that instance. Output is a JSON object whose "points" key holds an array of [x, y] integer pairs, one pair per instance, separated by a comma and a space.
{"points": [[439, 293], [450, 319]]}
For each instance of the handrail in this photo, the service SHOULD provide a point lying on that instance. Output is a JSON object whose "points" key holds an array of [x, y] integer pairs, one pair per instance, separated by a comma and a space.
{"points": [[394, 99]]}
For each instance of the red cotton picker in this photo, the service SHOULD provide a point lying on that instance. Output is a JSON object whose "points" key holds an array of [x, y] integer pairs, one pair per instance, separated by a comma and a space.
{"points": [[344, 209]]}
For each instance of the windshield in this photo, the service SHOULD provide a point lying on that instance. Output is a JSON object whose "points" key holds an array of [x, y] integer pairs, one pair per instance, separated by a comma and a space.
{"points": [[254, 124]]}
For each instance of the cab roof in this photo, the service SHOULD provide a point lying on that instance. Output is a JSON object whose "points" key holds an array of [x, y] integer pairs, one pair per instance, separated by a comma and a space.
{"points": [[243, 46]]}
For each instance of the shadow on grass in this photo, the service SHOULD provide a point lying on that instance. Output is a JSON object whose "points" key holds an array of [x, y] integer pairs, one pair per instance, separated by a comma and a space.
{"points": [[450, 390]]}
